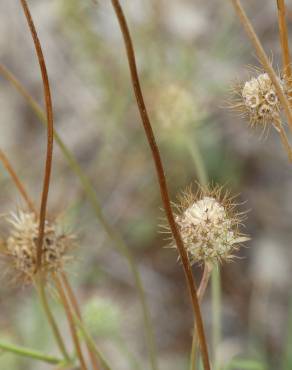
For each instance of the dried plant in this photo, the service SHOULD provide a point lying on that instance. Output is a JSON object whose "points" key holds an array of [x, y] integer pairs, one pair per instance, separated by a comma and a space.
{"points": [[205, 226], [210, 223]]}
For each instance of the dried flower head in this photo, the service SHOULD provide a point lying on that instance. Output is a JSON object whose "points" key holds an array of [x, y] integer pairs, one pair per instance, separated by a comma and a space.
{"points": [[209, 225], [257, 99], [21, 245]]}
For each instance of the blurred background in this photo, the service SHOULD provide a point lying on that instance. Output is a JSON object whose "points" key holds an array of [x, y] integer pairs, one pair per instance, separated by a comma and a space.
{"points": [[188, 54]]}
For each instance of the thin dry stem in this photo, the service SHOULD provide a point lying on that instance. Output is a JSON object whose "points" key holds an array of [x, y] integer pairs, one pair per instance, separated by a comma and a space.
{"points": [[263, 58], [17, 181], [279, 127], [284, 38], [119, 243], [162, 180], [201, 292], [50, 130], [74, 303], [70, 319]]}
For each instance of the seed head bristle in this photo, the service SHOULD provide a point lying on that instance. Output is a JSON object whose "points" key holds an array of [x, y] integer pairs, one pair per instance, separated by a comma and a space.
{"points": [[20, 247], [209, 224], [257, 100]]}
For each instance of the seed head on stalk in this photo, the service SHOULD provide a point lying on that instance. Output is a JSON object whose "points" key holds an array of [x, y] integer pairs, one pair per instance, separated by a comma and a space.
{"points": [[210, 224], [20, 247]]}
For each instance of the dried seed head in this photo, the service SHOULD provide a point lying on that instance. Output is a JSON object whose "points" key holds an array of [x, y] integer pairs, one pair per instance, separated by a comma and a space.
{"points": [[209, 225], [175, 108], [21, 245], [257, 99]]}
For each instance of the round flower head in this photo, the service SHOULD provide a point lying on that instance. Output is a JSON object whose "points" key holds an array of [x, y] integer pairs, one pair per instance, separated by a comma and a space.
{"points": [[21, 245], [175, 109], [257, 99], [209, 225]]}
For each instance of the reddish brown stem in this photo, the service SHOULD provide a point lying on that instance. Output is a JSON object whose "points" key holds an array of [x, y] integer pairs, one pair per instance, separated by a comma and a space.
{"points": [[162, 180], [74, 303], [17, 181], [70, 318], [50, 130], [201, 292]]}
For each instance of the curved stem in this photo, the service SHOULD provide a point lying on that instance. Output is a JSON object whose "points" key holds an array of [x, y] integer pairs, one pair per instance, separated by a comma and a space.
{"points": [[17, 181], [50, 129], [284, 37], [69, 315], [263, 58], [89, 190], [162, 180], [38, 280], [30, 353], [44, 301], [74, 303]]}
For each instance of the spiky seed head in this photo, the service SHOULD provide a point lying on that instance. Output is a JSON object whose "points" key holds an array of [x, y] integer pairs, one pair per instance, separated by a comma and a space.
{"points": [[257, 99], [209, 225], [21, 245]]}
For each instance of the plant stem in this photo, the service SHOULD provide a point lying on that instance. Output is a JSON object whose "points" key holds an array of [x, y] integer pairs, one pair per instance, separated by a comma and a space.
{"points": [[44, 301], [263, 58], [216, 313], [279, 127], [50, 130], [30, 353], [162, 180], [201, 292], [39, 279], [17, 181], [91, 343], [284, 38], [74, 303], [70, 319], [198, 160], [88, 188]]}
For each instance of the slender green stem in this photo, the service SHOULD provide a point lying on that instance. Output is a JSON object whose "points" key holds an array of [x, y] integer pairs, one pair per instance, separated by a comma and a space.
{"points": [[216, 313], [74, 303], [44, 302], [91, 343], [196, 155], [89, 190], [30, 353]]}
